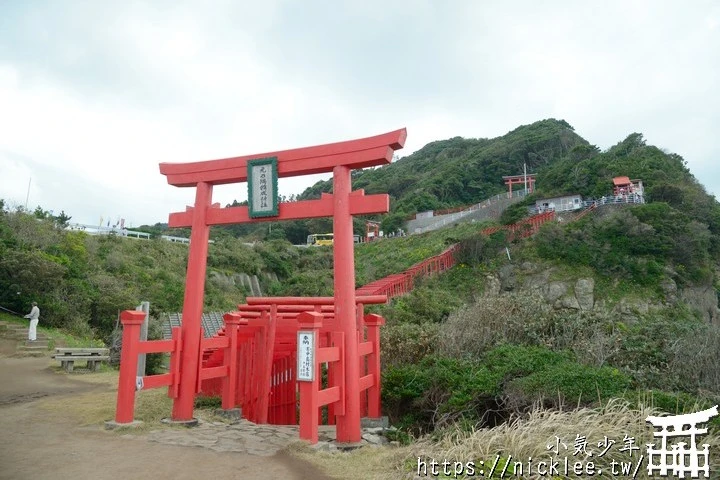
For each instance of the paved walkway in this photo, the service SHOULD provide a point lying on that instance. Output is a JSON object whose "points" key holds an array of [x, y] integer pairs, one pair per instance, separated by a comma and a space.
{"points": [[240, 437], [246, 437]]}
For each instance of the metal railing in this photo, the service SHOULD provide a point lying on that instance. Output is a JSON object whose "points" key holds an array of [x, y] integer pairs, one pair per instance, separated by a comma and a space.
{"points": [[100, 230], [122, 232], [632, 198]]}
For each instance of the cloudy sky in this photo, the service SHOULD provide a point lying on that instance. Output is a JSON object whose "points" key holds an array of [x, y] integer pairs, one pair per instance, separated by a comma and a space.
{"points": [[94, 95]]}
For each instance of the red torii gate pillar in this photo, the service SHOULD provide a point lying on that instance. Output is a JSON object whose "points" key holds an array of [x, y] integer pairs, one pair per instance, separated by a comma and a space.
{"points": [[339, 158], [344, 291]]}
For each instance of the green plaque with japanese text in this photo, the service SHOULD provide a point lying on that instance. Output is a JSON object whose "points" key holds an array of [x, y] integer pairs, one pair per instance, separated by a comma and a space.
{"points": [[262, 187]]}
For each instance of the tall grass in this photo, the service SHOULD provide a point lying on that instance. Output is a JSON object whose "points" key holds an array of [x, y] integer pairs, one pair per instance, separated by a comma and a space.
{"points": [[530, 436]]}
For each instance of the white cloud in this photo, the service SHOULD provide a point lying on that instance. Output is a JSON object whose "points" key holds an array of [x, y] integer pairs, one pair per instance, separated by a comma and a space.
{"points": [[93, 98]]}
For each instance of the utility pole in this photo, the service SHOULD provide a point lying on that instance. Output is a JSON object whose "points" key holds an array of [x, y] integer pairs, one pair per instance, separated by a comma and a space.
{"points": [[27, 197]]}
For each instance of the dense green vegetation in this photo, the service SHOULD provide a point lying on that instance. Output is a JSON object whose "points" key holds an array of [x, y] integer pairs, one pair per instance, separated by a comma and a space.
{"points": [[665, 177], [442, 389], [81, 282], [638, 243], [469, 362]]}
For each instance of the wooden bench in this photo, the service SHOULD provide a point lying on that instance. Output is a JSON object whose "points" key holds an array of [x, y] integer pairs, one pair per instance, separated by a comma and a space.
{"points": [[93, 356]]}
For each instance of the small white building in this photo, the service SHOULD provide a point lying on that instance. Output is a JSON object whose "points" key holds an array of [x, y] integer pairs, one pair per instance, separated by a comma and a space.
{"points": [[559, 204]]}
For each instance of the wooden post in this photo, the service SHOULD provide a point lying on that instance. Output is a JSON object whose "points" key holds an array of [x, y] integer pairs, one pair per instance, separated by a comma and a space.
{"points": [[232, 321], [193, 305], [374, 322], [348, 425], [131, 321], [309, 390], [144, 307], [269, 353], [362, 360]]}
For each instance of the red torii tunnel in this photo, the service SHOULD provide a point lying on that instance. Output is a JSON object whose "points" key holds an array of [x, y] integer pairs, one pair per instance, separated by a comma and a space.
{"points": [[339, 335]]}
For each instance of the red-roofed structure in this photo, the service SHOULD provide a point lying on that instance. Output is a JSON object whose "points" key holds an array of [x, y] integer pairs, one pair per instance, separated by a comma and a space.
{"points": [[625, 186]]}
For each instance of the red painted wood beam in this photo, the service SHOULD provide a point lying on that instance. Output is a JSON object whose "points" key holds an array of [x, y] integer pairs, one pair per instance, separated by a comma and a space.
{"points": [[359, 153], [359, 205], [368, 299]]}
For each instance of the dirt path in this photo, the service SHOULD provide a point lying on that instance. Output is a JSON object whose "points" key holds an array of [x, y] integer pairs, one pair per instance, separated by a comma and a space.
{"points": [[35, 444]]}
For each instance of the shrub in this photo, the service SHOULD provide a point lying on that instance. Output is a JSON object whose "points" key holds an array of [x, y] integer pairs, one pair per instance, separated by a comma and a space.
{"points": [[424, 304], [573, 383], [479, 248], [407, 343], [438, 391], [474, 329], [634, 243], [671, 350]]}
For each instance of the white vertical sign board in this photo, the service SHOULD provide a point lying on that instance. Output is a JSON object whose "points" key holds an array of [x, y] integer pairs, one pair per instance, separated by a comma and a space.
{"points": [[306, 357]]}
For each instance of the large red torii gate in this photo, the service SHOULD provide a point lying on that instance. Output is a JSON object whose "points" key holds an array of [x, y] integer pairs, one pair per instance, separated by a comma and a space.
{"points": [[339, 158]]}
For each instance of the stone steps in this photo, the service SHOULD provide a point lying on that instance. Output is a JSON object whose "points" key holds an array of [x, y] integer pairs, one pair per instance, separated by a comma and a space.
{"points": [[30, 353], [24, 338], [23, 333], [25, 348], [28, 345], [37, 348]]}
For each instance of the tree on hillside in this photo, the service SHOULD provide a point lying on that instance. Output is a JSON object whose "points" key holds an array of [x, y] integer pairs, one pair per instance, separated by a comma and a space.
{"points": [[40, 213], [62, 219]]}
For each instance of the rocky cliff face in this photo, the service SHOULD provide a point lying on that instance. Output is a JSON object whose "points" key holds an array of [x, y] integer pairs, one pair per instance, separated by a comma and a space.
{"points": [[580, 294]]}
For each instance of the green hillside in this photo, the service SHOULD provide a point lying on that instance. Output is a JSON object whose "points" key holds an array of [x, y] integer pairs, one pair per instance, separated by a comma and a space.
{"points": [[461, 171]]}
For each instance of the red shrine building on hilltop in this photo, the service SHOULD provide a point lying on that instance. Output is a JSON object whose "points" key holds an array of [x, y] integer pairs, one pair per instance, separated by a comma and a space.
{"points": [[625, 186]]}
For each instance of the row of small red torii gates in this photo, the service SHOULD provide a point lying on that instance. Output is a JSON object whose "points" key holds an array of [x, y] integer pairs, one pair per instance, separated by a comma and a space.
{"points": [[253, 361]]}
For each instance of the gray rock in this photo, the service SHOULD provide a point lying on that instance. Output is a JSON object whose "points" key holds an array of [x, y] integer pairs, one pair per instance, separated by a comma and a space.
{"points": [[568, 301], [367, 422], [492, 286], [584, 293], [508, 279], [670, 290], [373, 439], [528, 267], [632, 307], [375, 430], [600, 305], [704, 300], [537, 281], [554, 290]]}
